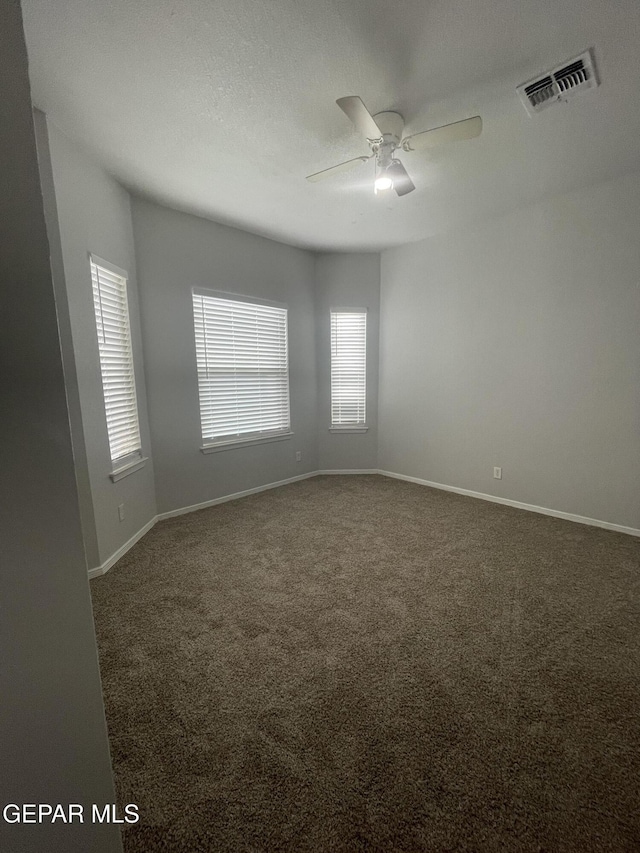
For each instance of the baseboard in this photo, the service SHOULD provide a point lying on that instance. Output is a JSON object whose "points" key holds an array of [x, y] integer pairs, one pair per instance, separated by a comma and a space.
{"points": [[101, 570], [567, 516], [113, 559], [122, 550], [195, 507], [346, 471]]}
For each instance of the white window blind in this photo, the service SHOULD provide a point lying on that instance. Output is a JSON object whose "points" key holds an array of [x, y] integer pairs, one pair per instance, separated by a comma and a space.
{"points": [[116, 360], [348, 367], [243, 370]]}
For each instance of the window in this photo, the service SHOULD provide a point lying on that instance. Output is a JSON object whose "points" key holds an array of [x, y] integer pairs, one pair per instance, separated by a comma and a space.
{"points": [[348, 367], [243, 368], [116, 361]]}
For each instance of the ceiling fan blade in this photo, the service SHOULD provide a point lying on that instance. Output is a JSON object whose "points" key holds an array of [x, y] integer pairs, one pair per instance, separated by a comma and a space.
{"points": [[334, 170], [402, 183], [468, 128], [364, 122]]}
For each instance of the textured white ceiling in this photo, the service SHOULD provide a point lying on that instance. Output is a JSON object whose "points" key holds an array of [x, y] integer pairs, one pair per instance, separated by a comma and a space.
{"points": [[221, 108]]}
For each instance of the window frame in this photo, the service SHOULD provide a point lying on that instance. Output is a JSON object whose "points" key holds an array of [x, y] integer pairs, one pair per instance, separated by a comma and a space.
{"points": [[354, 427], [121, 466], [229, 442]]}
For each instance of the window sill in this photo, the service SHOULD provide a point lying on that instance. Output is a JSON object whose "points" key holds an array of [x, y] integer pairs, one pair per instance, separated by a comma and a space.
{"points": [[349, 429], [127, 469], [244, 442]]}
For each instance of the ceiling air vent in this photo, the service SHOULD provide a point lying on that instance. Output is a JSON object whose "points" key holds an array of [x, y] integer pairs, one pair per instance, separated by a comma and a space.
{"points": [[560, 83], [540, 92]]}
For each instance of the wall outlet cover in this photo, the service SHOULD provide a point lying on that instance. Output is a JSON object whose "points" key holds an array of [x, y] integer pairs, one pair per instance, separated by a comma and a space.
{"points": [[497, 473]]}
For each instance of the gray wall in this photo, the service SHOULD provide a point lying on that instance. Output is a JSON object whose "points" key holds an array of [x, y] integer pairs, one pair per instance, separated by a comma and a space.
{"points": [[94, 215], [516, 344], [54, 746], [175, 253], [347, 281], [85, 497]]}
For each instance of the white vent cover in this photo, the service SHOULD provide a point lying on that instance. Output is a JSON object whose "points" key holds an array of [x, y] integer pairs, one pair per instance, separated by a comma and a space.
{"points": [[560, 83]]}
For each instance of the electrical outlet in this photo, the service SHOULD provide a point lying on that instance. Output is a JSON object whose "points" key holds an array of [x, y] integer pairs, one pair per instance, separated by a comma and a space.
{"points": [[121, 512], [497, 473], [298, 456]]}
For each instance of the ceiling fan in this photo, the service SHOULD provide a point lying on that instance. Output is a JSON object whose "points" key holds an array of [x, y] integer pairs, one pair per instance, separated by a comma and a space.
{"points": [[383, 132]]}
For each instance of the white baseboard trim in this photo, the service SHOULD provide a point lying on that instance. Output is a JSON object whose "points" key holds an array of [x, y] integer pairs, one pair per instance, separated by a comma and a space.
{"points": [[122, 550], [113, 559], [567, 516], [195, 507], [347, 471]]}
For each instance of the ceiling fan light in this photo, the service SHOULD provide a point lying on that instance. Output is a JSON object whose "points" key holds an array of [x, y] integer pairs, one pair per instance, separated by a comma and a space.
{"points": [[383, 182]]}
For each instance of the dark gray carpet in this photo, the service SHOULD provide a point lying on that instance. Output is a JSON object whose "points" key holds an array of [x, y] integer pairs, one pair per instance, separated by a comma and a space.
{"points": [[362, 664]]}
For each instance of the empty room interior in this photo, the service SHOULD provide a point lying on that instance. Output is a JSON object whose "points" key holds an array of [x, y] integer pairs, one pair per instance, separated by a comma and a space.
{"points": [[323, 424]]}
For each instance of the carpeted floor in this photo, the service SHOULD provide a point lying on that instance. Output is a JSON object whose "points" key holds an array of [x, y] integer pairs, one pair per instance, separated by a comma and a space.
{"points": [[362, 664]]}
